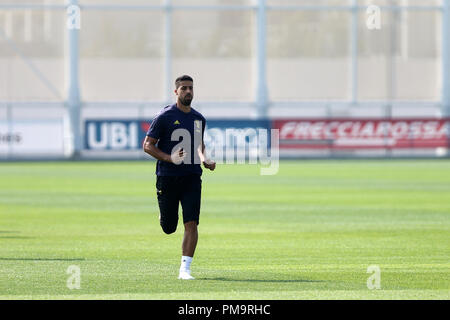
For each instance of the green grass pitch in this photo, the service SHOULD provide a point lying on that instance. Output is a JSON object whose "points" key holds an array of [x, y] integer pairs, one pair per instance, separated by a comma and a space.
{"points": [[309, 232]]}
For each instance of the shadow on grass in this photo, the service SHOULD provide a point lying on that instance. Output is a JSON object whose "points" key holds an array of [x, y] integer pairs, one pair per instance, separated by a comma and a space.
{"points": [[11, 236], [41, 259], [261, 280], [15, 237]]}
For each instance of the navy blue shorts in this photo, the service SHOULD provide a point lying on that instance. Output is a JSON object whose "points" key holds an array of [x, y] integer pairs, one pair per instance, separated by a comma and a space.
{"points": [[172, 191]]}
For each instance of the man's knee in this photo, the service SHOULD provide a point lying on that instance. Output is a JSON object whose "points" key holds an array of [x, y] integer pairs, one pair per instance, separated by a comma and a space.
{"points": [[168, 228], [190, 226]]}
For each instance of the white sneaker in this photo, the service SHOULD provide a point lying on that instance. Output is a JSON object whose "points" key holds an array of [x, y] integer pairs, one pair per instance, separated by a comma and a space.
{"points": [[185, 275]]}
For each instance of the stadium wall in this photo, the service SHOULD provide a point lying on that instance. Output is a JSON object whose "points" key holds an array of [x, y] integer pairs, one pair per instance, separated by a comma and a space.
{"points": [[317, 129]]}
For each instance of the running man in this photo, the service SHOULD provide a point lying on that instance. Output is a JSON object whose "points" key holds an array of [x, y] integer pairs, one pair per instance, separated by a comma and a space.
{"points": [[175, 139]]}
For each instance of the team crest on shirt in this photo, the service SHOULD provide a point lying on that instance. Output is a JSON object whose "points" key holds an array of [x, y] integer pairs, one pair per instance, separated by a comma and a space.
{"points": [[176, 122]]}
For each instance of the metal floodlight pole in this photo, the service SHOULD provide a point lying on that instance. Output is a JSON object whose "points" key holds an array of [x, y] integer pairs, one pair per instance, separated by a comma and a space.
{"points": [[73, 93], [445, 98], [354, 53], [168, 52], [261, 59]]}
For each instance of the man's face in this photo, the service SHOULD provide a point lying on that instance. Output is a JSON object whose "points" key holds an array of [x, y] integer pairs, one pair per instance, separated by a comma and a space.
{"points": [[185, 92]]}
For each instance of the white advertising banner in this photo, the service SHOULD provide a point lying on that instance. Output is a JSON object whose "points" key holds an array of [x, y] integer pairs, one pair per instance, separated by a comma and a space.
{"points": [[32, 138]]}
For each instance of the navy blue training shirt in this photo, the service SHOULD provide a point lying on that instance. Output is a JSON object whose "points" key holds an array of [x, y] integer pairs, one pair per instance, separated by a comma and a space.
{"points": [[163, 126]]}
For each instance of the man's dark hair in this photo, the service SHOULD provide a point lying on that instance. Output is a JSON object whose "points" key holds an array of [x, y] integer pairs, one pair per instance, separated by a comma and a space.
{"points": [[182, 78]]}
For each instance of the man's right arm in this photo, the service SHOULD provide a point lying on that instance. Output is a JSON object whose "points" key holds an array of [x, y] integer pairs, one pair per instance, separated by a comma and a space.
{"points": [[151, 148]]}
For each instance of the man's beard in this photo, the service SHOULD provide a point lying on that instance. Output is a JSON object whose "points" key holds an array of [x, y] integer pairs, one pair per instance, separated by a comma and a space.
{"points": [[186, 101]]}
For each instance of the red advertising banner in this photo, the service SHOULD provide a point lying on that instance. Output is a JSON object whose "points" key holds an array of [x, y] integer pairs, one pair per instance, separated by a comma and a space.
{"points": [[363, 133]]}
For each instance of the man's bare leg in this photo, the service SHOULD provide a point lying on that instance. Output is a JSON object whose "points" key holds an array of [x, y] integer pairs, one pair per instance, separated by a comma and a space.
{"points": [[188, 246], [190, 238]]}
